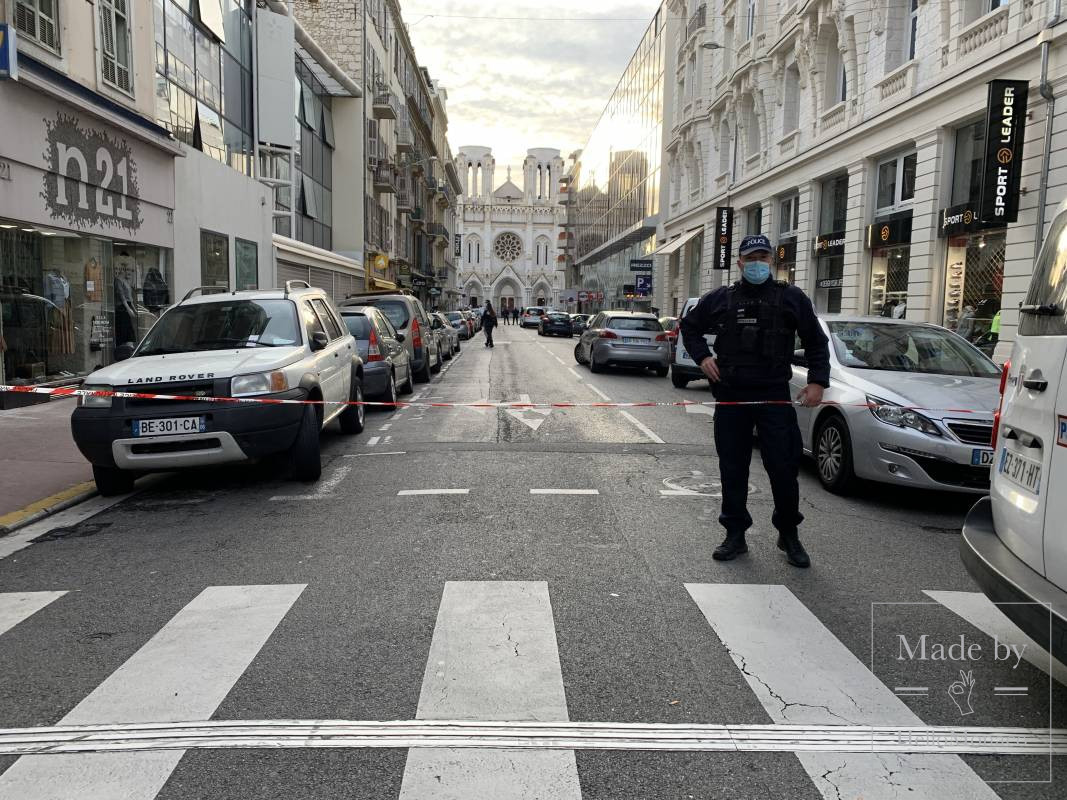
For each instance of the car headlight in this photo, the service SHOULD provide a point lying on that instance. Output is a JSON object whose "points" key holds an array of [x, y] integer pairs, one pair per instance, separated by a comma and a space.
{"points": [[901, 417], [258, 383], [90, 401]]}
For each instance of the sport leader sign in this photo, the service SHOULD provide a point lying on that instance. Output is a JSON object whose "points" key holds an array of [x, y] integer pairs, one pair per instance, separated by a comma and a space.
{"points": [[1004, 129], [724, 234]]}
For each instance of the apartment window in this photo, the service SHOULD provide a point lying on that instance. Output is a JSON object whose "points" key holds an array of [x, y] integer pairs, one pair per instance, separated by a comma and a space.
{"points": [[214, 259], [39, 20], [896, 181], [116, 62], [789, 215], [913, 28], [836, 89], [750, 20], [791, 99], [727, 48], [247, 264], [204, 76], [754, 220], [724, 147], [834, 205], [967, 170]]}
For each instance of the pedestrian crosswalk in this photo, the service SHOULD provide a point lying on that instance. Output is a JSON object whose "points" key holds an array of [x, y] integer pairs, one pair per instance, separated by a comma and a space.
{"points": [[494, 657]]}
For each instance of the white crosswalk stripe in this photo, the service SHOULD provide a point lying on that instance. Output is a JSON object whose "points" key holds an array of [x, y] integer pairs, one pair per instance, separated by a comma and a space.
{"points": [[17, 606], [983, 613], [802, 673], [493, 657], [184, 672]]}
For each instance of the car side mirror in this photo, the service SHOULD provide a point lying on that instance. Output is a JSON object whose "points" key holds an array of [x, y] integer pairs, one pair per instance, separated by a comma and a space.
{"points": [[799, 359], [400, 337], [319, 340], [123, 351]]}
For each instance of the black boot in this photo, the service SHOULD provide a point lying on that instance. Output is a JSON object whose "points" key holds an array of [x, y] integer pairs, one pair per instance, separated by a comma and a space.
{"points": [[794, 551], [732, 546]]}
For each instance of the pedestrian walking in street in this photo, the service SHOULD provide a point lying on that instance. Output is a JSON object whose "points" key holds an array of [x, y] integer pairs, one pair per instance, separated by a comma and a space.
{"points": [[505, 313], [515, 315], [488, 323], [756, 321]]}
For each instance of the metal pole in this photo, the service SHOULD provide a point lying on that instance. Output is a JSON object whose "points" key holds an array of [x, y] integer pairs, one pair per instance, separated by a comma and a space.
{"points": [[1045, 88]]}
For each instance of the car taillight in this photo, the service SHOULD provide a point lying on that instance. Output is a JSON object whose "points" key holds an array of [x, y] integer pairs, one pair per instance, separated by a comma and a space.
{"points": [[663, 337], [1000, 406], [416, 334], [373, 353], [608, 335]]}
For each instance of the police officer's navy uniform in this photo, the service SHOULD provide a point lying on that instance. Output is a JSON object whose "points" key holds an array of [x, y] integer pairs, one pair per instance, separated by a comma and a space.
{"points": [[755, 328]]}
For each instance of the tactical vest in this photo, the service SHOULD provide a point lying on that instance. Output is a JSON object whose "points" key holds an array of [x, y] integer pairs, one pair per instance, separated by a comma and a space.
{"points": [[754, 344]]}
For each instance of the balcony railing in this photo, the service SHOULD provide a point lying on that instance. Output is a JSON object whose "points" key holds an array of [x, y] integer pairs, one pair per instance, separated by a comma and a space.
{"points": [[445, 196], [416, 216], [405, 139], [385, 105], [403, 244], [697, 21], [385, 178], [439, 231], [403, 201]]}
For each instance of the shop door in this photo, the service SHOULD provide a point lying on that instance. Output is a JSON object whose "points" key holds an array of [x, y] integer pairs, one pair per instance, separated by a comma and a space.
{"points": [[828, 283], [973, 289]]}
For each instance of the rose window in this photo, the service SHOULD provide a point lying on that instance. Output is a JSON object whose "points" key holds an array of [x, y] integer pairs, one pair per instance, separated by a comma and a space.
{"points": [[508, 247]]}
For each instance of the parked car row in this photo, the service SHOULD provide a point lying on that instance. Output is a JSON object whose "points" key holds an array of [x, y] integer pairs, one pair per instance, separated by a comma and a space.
{"points": [[291, 344]]}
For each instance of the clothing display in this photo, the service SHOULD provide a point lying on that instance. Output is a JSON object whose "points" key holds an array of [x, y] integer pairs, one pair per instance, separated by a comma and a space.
{"points": [[94, 281], [56, 288], [155, 291], [125, 313]]}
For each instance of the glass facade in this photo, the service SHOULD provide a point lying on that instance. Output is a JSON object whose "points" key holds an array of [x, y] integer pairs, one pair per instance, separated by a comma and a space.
{"points": [[68, 301], [617, 179], [313, 160], [204, 77]]}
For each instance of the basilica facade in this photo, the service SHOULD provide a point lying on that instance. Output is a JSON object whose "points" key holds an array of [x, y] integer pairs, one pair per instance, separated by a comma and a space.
{"points": [[509, 242]]}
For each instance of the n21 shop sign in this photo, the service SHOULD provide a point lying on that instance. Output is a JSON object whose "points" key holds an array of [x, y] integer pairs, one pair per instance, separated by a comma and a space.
{"points": [[91, 179]]}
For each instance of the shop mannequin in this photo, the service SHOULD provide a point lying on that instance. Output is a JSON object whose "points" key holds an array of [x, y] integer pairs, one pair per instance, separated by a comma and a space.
{"points": [[125, 312]]}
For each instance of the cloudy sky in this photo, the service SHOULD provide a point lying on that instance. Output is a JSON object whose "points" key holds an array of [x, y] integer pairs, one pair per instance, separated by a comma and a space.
{"points": [[520, 83]]}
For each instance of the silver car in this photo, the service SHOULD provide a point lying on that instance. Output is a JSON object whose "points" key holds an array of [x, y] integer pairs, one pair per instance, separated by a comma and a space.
{"points": [[624, 339], [914, 407], [386, 362], [458, 320], [449, 335]]}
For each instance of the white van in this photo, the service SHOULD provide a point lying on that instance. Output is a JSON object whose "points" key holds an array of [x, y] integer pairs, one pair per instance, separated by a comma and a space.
{"points": [[1015, 541], [683, 368]]}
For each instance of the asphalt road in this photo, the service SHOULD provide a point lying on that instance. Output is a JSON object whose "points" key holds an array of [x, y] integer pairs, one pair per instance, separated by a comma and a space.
{"points": [[438, 571]]}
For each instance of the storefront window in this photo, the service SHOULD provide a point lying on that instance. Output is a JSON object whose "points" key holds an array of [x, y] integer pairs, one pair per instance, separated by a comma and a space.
{"points": [[973, 288], [214, 259], [68, 301], [889, 281]]}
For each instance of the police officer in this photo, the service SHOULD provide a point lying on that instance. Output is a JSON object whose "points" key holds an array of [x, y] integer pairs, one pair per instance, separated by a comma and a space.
{"points": [[755, 322]]}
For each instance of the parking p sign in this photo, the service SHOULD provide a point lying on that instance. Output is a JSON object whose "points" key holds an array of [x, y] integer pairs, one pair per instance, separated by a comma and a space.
{"points": [[643, 284]]}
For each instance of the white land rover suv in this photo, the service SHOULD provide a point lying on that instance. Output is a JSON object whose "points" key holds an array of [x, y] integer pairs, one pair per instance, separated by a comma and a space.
{"points": [[283, 344], [1015, 541]]}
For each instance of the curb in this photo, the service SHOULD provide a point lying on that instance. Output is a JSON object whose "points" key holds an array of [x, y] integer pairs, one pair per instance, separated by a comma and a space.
{"points": [[59, 502]]}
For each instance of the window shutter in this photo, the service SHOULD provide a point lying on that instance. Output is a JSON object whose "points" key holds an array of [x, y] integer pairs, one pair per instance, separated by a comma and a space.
{"points": [[37, 19], [114, 35], [107, 38]]}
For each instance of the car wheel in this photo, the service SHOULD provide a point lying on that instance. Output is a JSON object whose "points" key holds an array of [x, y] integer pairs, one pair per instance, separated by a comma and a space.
{"points": [[306, 455], [408, 386], [679, 380], [833, 455], [353, 418], [449, 353], [578, 353], [391, 394], [661, 372], [423, 375], [111, 481], [593, 366], [437, 366]]}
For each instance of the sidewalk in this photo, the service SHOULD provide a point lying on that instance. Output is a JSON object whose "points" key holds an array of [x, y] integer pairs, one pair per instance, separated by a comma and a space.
{"points": [[41, 467]]}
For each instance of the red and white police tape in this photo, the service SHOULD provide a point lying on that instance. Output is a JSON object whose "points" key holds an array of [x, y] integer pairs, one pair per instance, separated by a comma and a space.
{"points": [[69, 392]]}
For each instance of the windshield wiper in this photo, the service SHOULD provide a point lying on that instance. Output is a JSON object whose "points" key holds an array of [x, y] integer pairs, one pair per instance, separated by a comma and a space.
{"points": [[235, 342], [1042, 310], [160, 351]]}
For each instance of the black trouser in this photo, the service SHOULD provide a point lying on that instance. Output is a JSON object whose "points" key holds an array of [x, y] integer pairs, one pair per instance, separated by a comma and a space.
{"points": [[489, 335], [780, 449]]}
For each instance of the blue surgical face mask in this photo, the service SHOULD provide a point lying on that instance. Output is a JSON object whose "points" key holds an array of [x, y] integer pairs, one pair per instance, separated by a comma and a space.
{"points": [[756, 271]]}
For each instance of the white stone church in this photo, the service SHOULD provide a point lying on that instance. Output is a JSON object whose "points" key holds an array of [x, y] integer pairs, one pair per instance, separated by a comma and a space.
{"points": [[510, 236]]}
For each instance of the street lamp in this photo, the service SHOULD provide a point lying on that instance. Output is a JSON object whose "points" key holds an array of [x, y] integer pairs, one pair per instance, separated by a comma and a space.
{"points": [[711, 46]]}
